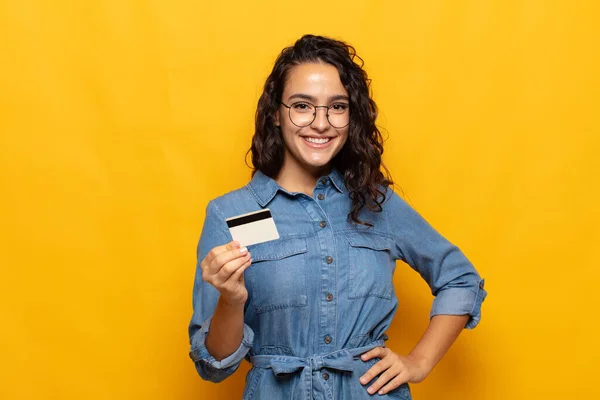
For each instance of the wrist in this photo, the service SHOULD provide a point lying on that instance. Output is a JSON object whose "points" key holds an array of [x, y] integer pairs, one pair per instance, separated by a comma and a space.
{"points": [[424, 363], [232, 304]]}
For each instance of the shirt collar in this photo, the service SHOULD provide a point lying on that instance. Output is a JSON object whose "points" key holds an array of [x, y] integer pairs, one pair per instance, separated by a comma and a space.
{"points": [[338, 180], [265, 188]]}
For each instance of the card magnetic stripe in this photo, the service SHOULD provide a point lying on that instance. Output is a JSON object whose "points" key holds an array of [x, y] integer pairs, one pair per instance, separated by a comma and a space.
{"points": [[266, 214]]}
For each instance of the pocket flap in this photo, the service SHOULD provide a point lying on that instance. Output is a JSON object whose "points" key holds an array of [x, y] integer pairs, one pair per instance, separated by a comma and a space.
{"points": [[371, 241], [277, 249]]}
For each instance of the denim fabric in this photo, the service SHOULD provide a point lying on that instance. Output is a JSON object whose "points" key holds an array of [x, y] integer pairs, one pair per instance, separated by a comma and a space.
{"points": [[322, 294]]}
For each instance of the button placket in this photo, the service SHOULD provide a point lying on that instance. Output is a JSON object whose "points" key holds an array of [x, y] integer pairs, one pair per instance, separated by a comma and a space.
{"points": [[325, 237]]}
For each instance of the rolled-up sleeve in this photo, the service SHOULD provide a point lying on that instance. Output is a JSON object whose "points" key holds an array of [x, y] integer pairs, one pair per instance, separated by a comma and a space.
{"points": [[205, 298], [456, 285]]}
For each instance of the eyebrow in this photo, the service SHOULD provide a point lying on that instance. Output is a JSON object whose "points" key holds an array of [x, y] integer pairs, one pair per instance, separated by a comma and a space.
{"points": [[313, 99]]}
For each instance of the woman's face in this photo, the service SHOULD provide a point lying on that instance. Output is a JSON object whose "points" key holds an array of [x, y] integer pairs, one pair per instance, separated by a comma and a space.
{"points": [[313, 147]]}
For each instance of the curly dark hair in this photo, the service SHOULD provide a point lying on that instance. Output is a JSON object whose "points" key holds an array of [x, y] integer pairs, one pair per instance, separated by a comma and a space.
{"points": [[360, 158]]}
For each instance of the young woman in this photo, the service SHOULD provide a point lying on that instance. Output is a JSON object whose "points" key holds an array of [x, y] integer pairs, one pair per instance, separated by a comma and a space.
{"points": [[310, 310]]}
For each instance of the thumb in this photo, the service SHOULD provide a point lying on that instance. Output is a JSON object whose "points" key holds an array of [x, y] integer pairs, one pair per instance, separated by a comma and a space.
{"points": [[232, 245]]}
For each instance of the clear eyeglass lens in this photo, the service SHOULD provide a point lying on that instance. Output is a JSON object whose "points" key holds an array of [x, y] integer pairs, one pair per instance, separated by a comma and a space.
{"points": [[303, 114]]}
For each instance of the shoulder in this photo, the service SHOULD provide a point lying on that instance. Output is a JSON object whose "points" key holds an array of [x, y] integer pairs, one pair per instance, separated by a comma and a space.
{"points": [[393, 199], [235, 202], [396, 207]]}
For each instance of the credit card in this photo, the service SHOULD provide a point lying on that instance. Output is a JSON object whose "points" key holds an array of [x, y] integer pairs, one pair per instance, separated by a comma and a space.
{"points": [[252, 228]]}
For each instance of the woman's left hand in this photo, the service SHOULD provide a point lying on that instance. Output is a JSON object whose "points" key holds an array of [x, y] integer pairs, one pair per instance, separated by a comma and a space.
{"points": [[393, 370]]}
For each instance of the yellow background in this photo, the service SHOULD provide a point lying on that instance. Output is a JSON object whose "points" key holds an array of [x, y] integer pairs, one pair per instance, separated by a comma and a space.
{"points": [[119, 120]]}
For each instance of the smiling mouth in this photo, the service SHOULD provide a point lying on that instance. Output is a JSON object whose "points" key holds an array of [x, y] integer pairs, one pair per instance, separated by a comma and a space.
{"points": [[316, 140]]}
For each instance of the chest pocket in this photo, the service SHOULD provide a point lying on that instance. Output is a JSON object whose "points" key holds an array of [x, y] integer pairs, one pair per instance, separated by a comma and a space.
{"points": [[371, 266], [277, 278]]}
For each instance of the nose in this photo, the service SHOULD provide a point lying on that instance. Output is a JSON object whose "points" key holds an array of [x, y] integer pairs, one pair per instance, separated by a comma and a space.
{"points": [[320, 123]]}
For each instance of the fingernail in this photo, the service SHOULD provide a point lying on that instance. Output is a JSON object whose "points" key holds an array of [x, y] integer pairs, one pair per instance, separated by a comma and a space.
{"points": [[381, 392], [363, 380], [243, 250], [370, 390]]}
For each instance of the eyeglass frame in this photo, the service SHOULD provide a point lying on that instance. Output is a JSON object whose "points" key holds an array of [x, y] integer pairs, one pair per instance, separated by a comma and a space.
{"points": [[314, 114]]}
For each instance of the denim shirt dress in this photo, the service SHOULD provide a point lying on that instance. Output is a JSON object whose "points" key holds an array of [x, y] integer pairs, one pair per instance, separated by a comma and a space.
{"points": [[322, 294]]}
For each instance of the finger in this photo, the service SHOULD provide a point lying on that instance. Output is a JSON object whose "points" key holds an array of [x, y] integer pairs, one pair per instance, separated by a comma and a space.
{"points": [[384, 378], [215, 251], [230, 267], [375, 352], [375, 370], [225, 257], [234, 244], [393, 384], [222, 274], [234, 278]]}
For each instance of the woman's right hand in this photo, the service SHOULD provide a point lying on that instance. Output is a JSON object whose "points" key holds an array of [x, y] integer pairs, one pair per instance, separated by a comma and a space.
{"points": [[223, 267]]}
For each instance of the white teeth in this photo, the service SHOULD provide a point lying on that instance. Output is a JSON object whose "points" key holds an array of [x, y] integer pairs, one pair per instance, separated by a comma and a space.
{"points": [[318, 141]]}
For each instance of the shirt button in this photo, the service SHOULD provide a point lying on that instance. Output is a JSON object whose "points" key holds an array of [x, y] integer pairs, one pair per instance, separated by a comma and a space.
{"points": [[321, 196], [325, 376], [329, 259], [324, 181], [327, 339], [329, 297], [323, 224]]}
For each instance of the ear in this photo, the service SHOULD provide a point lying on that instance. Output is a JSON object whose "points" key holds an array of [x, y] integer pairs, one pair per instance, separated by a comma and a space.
{"points": [[276, 118]]}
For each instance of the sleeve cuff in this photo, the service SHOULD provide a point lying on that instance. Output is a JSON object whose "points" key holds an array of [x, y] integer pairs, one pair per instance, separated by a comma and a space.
{"points": [[460, 301], [200, 354]]}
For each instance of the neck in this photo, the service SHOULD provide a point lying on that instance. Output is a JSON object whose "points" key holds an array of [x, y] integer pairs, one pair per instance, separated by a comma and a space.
{"points": [[295, 178]]}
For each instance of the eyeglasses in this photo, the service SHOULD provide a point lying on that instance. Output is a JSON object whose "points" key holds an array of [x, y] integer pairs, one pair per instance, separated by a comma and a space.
{"points": [[303, 114]]}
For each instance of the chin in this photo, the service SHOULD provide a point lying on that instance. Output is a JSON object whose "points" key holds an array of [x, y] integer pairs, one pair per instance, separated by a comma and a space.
{"points": [[317, 164], [320, 160]]}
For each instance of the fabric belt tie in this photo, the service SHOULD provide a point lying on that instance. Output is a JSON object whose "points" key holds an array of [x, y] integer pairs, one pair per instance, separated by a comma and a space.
{"points": [[340, 360]]}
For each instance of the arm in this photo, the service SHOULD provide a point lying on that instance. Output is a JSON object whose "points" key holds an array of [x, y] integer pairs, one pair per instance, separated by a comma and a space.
{"points": [[441, 332], [394, 369], [226, 330], [452, 278], [218, 348], [456, 285]]}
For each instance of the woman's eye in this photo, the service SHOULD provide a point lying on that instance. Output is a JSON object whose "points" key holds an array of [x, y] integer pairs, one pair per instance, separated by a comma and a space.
{"points": [[339, 107], [301, 106]]}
